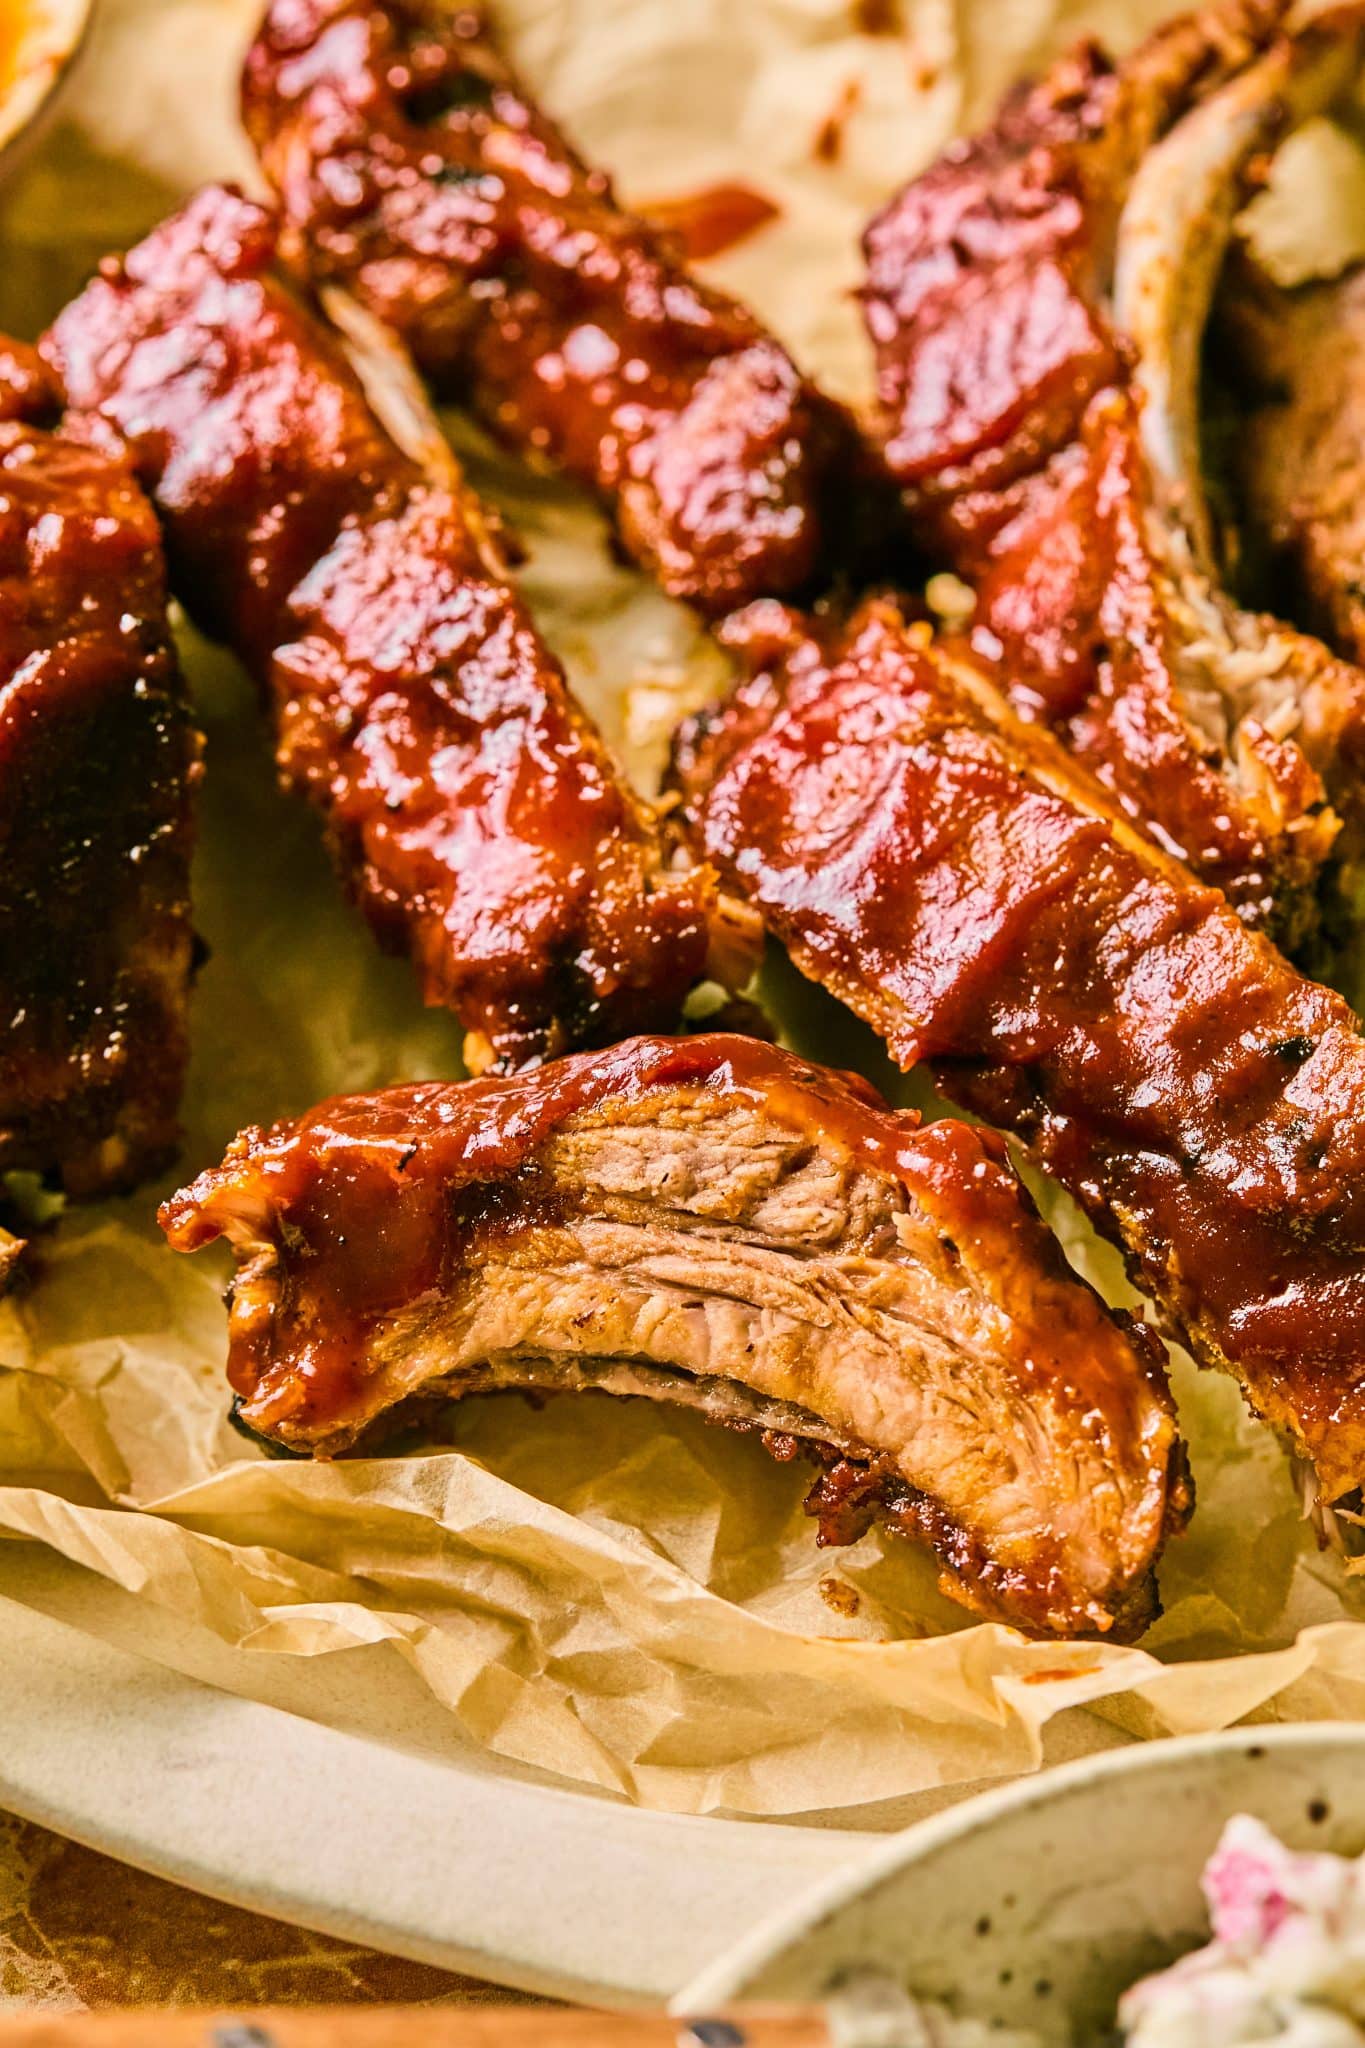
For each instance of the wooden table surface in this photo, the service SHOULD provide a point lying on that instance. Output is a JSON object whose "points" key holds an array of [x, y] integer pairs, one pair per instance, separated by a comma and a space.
{"points": [[78, 1929]]}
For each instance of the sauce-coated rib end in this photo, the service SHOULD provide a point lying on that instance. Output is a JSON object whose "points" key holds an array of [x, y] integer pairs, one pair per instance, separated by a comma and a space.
{"points": [[474, 811], [952, 876], [98, 759], [714, 1223], [415, 170]]}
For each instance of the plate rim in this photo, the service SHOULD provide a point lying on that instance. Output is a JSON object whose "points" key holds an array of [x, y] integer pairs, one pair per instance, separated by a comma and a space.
{"points": [[82, 1723]]}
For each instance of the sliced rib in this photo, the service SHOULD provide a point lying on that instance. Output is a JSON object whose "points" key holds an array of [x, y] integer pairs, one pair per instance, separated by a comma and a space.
{"points": [[415, 170], [1014, 418], [98, 760], [475, 812], [714, 1223], [952, 876]]}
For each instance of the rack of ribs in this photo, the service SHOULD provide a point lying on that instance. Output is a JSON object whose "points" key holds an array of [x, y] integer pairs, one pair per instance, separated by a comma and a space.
{"points": [[712, 1222], [475, 812], [98, 761], [950, 874], [1031, 402], [414, 169]]}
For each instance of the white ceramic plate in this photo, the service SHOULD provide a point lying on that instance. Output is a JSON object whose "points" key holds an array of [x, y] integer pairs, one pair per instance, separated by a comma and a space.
{"points": [[522, 1883], [1037, 1904]]}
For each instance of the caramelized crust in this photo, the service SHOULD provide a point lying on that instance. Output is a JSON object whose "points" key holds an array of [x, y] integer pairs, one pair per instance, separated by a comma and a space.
{"points": [[1010, 420], [414, 169], [951, 876], [97, 762], [713, 1222], [474, 811], [988, 275]]}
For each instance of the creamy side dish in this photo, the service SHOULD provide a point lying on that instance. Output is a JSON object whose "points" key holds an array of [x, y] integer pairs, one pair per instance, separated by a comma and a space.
{"points": [[1286, 1963], [1285, 1967]]}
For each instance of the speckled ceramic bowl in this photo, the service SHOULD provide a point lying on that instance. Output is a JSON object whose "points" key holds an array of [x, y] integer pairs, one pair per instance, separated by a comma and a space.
{"points": [[1037, 1904], [38, 41]]}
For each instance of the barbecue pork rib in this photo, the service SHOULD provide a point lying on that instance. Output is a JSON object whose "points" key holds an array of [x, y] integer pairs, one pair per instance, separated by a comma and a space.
{"points": [[951, 875], [988, 275], [712, 1222], [98, 760], [1011, 414], [478, 817], [414, 170]]}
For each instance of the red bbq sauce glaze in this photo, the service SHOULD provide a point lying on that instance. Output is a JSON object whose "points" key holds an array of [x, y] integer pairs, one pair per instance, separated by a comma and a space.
{"points": [[98, 760], [988, 274], [28, 390], [1204, 1102], [717, 218], [372, 1202], [982, 297], [474, 811], [415, 170]]}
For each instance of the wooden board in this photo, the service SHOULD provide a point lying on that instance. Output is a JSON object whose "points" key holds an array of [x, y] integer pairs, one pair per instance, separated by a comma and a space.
{"points": [[415, 2027]]}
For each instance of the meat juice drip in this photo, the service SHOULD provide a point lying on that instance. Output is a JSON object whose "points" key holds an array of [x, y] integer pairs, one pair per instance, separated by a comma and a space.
{"points": [[714, 220]]}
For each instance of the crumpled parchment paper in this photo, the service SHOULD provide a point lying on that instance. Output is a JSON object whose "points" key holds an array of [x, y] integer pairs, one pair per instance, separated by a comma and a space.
{"points": [[604, 1591]]}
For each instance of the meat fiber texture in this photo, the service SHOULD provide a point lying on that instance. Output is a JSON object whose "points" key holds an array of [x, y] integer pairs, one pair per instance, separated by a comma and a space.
{"points": [[629, 1599]]}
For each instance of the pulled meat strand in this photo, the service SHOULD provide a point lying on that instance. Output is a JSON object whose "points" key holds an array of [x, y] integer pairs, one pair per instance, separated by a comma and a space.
{"points": [[951, 875], [474, 811], [713, 1223]]}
